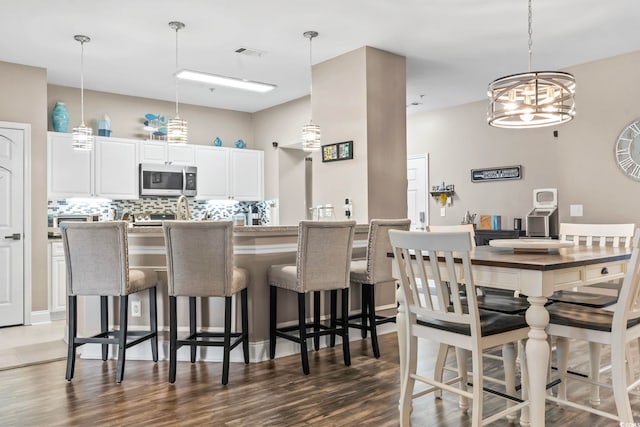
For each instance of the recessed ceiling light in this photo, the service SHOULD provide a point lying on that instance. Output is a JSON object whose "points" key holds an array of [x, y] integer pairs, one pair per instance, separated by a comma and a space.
{"points": [[217, 80]]}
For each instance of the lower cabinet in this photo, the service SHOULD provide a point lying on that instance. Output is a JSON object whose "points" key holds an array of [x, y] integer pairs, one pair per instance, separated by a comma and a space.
{"points": [[57, 281]]}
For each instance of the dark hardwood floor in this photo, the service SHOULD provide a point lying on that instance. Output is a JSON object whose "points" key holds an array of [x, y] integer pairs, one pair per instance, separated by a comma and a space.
{"points": [[272, 393]]}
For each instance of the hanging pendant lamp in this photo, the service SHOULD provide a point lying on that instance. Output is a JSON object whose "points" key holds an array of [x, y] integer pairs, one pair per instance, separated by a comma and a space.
{"points": [[177, 130], [532, 99], [311, 131], [82, 135]]}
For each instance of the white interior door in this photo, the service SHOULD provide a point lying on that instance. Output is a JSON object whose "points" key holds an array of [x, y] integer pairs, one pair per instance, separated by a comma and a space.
{"points": [[11, 227], [418, 183]]}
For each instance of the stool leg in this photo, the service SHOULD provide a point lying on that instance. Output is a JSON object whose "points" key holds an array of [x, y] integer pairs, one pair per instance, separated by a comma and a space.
{"points": [[192, 326], [303, 333], [345, 327], [316, 320], [364, 300], [73, 330], [153, 321], [333, 309], [227, 340], [122, 337], [371, 308], [245, 324], [273, 305], [173, 337], [104, 323]]}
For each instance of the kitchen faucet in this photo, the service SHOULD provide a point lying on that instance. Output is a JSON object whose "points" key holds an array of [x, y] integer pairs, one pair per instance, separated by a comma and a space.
{"points": [[182, 200]]}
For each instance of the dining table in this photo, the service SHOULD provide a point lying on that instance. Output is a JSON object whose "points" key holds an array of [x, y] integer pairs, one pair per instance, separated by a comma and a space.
{"points": [[536, 274]]}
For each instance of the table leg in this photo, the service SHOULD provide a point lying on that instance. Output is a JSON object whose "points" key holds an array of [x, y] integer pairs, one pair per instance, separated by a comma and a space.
{"points": [[537, 354]]}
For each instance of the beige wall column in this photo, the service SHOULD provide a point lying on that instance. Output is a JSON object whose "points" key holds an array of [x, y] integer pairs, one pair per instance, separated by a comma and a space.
{"points": [[361, 96]]}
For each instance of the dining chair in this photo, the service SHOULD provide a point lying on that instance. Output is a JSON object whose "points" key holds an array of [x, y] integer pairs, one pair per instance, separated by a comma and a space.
{"points": [[598, 295], [441, 316], [322, 264], [200, 264], [615, 325], [371, 273], [97, 261]]}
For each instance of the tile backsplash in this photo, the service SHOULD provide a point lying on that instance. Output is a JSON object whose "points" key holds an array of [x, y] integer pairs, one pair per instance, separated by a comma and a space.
{"points": [[142, 207]]}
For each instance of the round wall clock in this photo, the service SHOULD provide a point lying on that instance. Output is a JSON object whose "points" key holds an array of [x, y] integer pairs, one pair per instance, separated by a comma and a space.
{"points": [[627, 150]]}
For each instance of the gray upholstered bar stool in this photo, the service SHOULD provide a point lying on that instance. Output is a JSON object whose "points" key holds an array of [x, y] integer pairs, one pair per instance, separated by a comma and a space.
{"points": [[200, 264], [373, 271], [97, 260], [322, 264]]}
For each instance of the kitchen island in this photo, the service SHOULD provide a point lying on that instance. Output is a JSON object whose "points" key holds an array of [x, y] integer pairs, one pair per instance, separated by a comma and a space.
{"points": [[255, 248]]}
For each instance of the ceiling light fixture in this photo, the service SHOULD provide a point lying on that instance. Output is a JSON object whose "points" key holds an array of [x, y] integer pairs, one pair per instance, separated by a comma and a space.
{"points": [[311, 131], [532, 99], [177, 131], [82, 135], [217, 80]]}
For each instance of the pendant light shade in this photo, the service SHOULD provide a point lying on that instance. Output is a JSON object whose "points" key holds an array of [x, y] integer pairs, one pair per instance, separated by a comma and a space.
{"points": [[82, 135], [177, 131], [311, 131], [532, 99]]}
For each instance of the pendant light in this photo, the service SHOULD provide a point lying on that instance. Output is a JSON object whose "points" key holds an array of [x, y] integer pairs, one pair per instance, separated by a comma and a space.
{"points": [[310, 132], [532, 99], [177, 128], [82, 135]]}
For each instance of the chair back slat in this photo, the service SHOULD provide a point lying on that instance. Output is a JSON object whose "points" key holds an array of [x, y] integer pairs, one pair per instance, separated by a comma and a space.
{"points": [[601, 234], [628, 305], [446, 253]]}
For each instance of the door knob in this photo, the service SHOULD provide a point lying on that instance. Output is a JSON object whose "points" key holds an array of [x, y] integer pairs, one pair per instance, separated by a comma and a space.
{"points": [[14, 236]]}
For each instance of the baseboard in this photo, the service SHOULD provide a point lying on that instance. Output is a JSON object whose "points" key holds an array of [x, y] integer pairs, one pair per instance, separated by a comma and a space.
{"points": [[258, 351], [40, 317]]}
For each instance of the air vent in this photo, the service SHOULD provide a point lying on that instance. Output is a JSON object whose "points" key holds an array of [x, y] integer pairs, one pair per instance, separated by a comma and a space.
{"points": [[249, 51]]}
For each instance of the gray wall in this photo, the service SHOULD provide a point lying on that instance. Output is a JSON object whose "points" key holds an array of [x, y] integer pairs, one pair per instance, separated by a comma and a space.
{"points": [[579, 162]]}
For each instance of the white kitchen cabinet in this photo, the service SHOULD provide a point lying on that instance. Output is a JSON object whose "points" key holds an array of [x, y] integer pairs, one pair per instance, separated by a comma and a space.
{"points": [[161, 152], [229, 174], [70, 172], [57, 281], [116, 165]]}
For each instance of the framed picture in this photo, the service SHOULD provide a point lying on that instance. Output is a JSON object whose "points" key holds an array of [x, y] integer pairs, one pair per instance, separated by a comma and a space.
{"points": [[337, 151]]}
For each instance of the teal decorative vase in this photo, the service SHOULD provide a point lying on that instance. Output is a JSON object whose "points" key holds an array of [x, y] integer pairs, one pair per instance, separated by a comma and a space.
{"points": [[60, 117]]}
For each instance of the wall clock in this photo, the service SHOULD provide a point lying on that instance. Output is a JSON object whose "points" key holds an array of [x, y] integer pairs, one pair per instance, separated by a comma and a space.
{"points": [[627, 150]]}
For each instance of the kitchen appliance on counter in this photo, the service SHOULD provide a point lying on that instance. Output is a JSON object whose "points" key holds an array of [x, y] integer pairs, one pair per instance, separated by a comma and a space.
{"points": [[152, 220], [543, 219], [56, 220], [167, 180]]}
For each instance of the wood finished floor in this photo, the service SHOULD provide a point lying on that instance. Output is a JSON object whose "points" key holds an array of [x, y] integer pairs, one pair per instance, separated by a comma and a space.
{"points": [[272, 393]]}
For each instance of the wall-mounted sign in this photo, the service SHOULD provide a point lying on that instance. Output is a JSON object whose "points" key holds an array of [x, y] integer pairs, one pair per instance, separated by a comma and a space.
{"points": [[496, 174], [337, 151]]}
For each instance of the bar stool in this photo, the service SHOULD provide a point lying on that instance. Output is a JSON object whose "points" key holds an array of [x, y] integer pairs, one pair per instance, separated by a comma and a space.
{"points": [[97, 261], [322, 264], [200, 264], [371, 272]]}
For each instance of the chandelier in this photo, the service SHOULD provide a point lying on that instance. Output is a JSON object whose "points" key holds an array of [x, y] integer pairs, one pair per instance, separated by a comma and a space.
{"points": [[82, 135], [177, 130], [311, 131], [532, 99]]}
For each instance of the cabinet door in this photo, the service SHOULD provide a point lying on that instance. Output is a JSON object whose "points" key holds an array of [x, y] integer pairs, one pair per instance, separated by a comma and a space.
{"points": [[247, 178], [69, 171], [57, 281], [181, 154], [153, 152], [213, 173], [116, 168]]}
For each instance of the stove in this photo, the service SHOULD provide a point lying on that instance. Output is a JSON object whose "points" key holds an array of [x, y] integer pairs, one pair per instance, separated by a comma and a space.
{"points": [[152, 220]]}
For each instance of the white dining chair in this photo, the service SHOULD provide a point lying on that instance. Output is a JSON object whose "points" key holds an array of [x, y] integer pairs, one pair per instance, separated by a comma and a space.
{"points": [[453, 323], [615, 326]]}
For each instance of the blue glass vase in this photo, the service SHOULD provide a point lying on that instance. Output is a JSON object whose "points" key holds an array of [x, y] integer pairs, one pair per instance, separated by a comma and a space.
{"points": [[60, 117]]}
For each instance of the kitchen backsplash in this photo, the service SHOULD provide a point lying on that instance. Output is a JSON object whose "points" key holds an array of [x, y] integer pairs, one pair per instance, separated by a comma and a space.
{"points": [[142, 207]]}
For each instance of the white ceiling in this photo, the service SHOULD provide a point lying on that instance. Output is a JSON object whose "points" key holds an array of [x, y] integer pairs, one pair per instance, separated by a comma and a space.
{"points": [[454, 48]]}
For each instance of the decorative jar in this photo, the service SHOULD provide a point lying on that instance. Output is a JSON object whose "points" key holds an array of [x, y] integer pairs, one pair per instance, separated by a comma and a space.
{"points": [[60, 117]]}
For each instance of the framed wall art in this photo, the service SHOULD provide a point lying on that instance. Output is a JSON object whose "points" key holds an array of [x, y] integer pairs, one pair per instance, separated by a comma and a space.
{"points": [[337, 151]]}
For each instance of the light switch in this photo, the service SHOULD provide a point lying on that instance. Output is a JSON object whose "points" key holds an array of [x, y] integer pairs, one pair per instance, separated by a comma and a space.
{"points": [[443, 211], [575, 210]]}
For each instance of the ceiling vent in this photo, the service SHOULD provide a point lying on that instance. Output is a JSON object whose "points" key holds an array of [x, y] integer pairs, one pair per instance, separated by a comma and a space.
{"points": [[249, 51]]}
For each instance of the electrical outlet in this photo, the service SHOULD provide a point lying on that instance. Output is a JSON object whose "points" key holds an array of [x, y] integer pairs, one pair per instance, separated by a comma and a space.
{"points": [[136, 309]]}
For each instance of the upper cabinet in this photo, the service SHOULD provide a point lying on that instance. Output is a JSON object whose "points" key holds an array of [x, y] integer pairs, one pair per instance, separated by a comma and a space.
{"points": [[213, 173], [229, 174], [161, 152], [247, 177], [109, 171]]}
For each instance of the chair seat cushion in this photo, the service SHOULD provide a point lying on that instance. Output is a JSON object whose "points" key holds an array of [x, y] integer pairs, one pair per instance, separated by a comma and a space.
{"points": [[502, 303], [140, 280], [577, 316], [583, 298], [491, 323], [284, 276], [358, 272]]}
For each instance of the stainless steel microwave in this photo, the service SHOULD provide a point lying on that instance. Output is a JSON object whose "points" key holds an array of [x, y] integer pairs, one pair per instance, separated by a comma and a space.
{"points": [[167, 180]]}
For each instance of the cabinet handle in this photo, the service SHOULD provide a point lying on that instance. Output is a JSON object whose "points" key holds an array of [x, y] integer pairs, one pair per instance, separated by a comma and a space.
{"points": [[604, 270], [14, 236]]}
